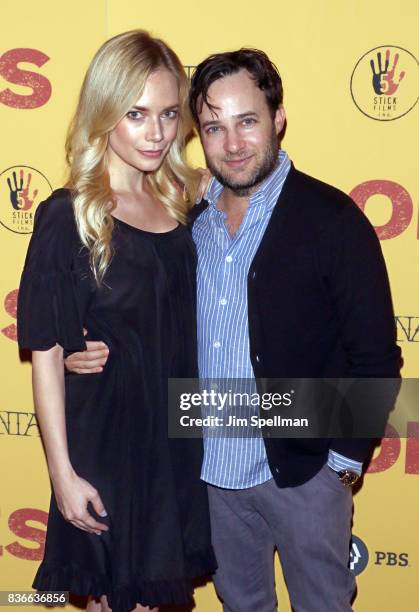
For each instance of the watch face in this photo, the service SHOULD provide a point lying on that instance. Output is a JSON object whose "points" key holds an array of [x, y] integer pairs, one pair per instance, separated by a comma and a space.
{"points": [[348, 478]]}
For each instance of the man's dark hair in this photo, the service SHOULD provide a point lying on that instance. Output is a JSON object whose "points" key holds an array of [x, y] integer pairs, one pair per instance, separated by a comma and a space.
{"points": [[219, 65]]}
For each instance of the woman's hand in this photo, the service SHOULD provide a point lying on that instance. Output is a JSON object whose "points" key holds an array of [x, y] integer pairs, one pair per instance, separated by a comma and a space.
{"points": [[73, 494], [206, 176]]}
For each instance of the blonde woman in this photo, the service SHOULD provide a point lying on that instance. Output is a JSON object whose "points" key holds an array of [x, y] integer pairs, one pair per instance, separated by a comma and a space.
{"points": [[128, 522]]}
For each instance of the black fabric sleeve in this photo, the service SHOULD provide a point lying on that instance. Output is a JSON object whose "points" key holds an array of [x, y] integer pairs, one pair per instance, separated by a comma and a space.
{"points": [[361, 293], [48, 312]]}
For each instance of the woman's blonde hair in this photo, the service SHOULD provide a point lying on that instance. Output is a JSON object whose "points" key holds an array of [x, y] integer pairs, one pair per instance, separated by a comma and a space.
{"points": [[114, 82]]}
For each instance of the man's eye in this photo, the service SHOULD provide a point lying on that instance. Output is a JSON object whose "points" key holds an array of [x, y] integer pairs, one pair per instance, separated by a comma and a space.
{"points": [[249, 121]]}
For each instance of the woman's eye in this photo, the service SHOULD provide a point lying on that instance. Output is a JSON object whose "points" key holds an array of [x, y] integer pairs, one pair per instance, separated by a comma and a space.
{"points": [[134, 115], [170, 114], [213, 129]]}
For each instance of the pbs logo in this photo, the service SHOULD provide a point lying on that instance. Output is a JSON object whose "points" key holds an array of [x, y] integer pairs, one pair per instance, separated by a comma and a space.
{"points": [[358, 556]]}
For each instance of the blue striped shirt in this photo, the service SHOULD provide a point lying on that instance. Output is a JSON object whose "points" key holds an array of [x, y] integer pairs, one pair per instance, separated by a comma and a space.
{"points": [[223, 333]]}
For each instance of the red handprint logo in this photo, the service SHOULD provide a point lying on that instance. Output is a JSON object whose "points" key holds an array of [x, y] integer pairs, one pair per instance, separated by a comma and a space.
{"points": [[19, 195], [393, 73], [383, 79]]}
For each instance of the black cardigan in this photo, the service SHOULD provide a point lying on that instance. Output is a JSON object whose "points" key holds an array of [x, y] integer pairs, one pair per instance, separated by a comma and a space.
{"points": [[319, 305]]}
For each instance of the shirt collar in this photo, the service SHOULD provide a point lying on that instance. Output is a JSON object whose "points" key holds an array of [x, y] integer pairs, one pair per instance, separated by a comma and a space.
{"points": [[267, 193]]}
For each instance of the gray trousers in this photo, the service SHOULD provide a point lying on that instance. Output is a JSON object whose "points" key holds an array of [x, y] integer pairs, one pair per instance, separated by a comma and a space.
{"points": [[310, 525]]}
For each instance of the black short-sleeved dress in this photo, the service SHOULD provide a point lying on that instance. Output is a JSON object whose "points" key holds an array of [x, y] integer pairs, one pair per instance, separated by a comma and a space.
{"points": [[159, 534]]}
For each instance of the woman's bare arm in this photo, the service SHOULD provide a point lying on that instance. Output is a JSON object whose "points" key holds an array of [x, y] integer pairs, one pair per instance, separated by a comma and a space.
{"points": [[72, 492]]}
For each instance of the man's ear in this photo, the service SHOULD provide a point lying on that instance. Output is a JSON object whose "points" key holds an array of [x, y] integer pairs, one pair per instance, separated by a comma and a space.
{"points": [[279, 119]]}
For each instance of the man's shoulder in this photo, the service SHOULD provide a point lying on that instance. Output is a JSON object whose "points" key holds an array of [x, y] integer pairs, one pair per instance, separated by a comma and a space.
{"points": [[323, 205], [316, 191], [312, 194]]}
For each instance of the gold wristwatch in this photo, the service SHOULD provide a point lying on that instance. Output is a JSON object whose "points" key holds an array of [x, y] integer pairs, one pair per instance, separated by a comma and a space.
{"points": [[347, 477]]}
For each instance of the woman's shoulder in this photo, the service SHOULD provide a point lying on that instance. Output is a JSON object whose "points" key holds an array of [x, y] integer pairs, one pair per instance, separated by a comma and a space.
{"points": [[56, 209], [58, 205], [55, 228]]}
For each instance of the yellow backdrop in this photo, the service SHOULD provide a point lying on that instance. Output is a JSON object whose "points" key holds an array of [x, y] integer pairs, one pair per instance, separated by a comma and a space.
{"points": [[345, 126]]}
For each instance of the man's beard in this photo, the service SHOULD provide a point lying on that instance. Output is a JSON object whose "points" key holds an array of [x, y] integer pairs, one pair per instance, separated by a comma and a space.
{"points": [[262, 170]]}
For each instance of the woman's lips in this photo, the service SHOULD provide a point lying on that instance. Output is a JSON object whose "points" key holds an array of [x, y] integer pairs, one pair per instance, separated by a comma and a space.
{"points": [[151, 153]]}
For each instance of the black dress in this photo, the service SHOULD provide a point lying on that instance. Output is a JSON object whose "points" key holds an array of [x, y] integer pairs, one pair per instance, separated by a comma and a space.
{"points": [[159, 534]]}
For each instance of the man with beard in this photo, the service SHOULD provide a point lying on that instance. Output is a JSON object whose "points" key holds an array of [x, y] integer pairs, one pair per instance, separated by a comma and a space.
{"points": [[291, 283]]}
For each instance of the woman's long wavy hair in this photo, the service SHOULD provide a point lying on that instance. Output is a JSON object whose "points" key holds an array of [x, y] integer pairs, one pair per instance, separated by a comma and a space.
{"points": [[114, 82]]}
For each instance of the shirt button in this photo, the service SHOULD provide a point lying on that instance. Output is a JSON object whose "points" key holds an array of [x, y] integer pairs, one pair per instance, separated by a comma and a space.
{"points": [[257, 358], [216, 344], [223, 301], [229, 259], [253, 274]]}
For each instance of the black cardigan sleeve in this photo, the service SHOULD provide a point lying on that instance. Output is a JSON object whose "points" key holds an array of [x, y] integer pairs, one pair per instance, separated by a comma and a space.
{"points": [[360, 290]]}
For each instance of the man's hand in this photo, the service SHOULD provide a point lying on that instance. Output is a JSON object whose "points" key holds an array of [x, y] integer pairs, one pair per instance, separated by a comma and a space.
{"points": [[90, 361], [206, 177]]}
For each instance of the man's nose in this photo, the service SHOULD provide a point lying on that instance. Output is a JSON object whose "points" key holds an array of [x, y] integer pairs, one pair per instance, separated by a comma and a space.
{"points": [[233, 142]]}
